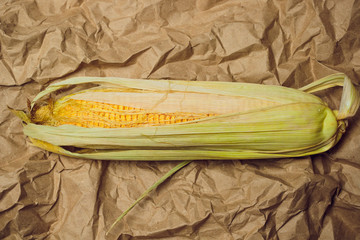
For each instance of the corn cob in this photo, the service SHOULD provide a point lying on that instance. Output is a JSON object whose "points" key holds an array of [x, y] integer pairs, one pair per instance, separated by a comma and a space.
{"points": [[90, 114], [128, 119]]}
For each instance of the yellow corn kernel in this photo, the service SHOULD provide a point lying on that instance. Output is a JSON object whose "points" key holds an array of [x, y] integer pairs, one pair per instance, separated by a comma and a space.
{"points": [[151, 118], [134, 117], [162, 119], [167, 119], [140, 118], [112, 116], [156, 118]]}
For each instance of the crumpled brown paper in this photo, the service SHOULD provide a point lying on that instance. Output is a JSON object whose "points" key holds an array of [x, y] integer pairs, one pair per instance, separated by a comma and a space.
{"points": [[291, 43]]}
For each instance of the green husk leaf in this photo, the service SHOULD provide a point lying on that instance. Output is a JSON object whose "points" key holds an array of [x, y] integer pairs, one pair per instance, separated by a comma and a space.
{"points": [[261, 132], [279, 94], [155, 185], [350, 99]]}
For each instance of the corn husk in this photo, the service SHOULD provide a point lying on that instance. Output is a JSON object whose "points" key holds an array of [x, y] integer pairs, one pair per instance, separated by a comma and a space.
{"points": [[261, 122], [292, 123]]}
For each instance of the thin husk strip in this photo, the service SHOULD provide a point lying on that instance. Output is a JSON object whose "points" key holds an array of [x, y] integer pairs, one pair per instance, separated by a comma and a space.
{"points": [[350, 99], [155, 185], [277, 94]]}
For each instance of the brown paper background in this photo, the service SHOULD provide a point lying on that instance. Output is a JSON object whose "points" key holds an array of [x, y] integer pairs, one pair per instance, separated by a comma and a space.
{"points": [[291, 43]]}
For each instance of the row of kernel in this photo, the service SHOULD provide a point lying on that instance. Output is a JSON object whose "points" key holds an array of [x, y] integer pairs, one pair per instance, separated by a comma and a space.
{"points": [[100, 106]]}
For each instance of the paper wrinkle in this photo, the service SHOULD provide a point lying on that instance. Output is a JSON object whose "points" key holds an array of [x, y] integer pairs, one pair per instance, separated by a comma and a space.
{"points": [[292, 43]]}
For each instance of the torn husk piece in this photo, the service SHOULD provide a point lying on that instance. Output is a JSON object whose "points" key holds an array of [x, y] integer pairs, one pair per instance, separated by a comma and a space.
{"points": [[155, 120]]}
